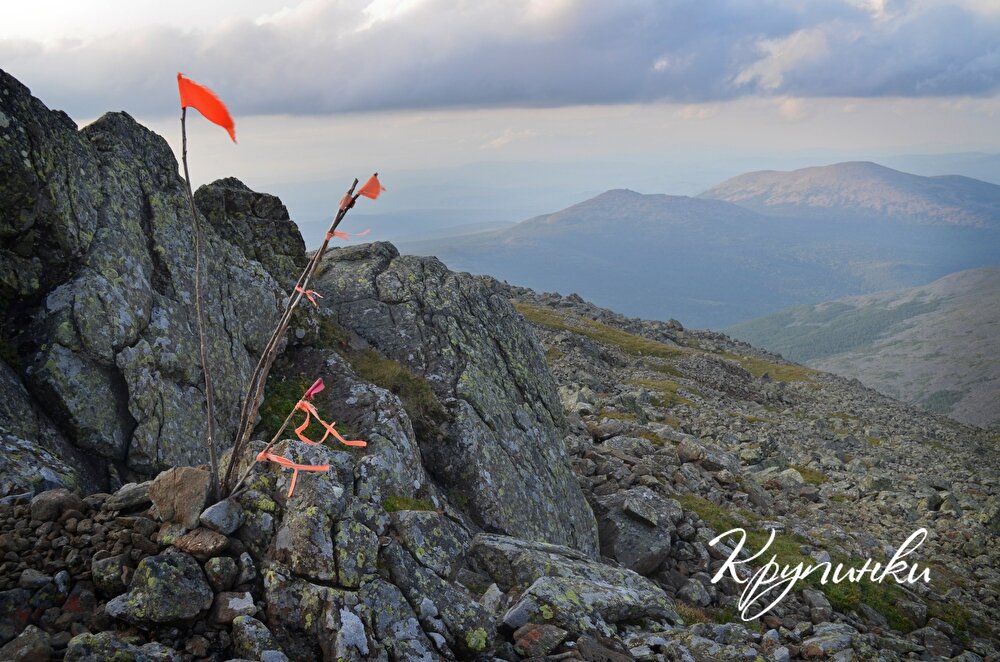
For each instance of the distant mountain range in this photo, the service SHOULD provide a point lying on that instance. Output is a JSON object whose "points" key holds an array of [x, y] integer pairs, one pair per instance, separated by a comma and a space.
{"points": [[937, 345], [776, 240], [865, 191]]}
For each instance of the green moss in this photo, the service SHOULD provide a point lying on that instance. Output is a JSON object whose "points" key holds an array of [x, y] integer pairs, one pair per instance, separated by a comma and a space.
{"points": [[781, 372], [655, 439], [617, 415], [419, 400], [280, 397], [666, 391], [874, 441], [394, 504], [597, 331], [666, 369], [476, 639], [811, 476]]}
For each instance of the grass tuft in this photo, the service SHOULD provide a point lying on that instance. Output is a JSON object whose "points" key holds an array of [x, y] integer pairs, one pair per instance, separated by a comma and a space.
{"points": [[597, 331], [419, 400], [394, 504], [780, 372], [811, 476], [666, 391]]}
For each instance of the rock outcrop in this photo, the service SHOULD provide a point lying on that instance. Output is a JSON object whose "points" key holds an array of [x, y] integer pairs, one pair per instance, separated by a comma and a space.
{"points": [[500, 448], [96, 287]]}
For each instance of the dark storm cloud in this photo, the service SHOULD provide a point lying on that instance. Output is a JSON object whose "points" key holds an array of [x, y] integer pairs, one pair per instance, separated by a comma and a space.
{"points": [[326, 57]]}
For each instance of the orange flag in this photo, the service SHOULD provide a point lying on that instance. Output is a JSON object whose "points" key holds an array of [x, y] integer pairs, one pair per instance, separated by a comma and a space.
{"points": [[372, 188], [204, 100]]}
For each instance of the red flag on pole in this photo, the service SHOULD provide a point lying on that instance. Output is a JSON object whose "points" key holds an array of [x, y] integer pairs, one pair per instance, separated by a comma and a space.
{"points": [[204, 100], [372, 188]]}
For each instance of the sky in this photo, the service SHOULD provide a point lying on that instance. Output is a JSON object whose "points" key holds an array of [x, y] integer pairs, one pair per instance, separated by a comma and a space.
{"points": [[518, 106]]}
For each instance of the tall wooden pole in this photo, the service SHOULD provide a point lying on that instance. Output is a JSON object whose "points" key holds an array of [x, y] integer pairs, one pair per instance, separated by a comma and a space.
{"points": [[200, 311]]}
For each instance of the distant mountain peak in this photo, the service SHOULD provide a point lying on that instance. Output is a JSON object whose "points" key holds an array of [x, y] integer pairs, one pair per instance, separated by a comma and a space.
{"points": [[864, 191]]}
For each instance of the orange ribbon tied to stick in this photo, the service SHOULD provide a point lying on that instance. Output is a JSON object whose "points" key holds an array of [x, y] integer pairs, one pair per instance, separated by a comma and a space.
{"points": [[309, 294], [264, 456], [340, 234], [310, 411]]}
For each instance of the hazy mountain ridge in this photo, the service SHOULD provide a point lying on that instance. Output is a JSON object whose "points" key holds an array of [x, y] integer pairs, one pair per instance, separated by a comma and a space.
{"points": [[933, 345], [715, 263], [865, 191]]}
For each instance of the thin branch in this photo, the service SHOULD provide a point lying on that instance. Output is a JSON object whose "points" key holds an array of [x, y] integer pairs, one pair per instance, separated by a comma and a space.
{"points": [[258, 380], [200, 309]]}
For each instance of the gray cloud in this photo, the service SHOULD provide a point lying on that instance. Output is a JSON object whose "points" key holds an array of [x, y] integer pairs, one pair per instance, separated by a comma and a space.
{"points": [[326, 57]]}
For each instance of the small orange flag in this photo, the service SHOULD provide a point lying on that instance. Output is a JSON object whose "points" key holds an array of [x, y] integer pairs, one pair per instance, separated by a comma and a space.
{"points": [[372, 188], [204, 100]]}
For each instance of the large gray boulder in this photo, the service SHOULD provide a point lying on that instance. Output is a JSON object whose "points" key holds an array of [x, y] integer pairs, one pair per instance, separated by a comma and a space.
{"points": [[501, 448], [97, 293]]}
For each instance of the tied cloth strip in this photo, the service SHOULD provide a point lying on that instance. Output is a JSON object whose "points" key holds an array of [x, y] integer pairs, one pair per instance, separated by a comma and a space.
{"points": [[346, 236], [309, 294], [310, 411], [264, 456]]}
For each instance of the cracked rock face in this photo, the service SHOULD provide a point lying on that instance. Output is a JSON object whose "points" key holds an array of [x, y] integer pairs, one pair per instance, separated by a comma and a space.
{"points": [[97, 288], [501, 450]]}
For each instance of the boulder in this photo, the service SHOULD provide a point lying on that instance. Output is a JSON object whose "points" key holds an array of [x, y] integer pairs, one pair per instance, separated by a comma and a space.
{"points": [[498, 442], [165, 588], [32, 645], [49, 505], [97, 262], [180, 494], [89, 647], [636, 527]]}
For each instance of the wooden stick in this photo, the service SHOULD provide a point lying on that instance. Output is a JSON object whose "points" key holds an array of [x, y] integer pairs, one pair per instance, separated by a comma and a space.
{"points": [[200, 309], [274, 440], [258, 380]]}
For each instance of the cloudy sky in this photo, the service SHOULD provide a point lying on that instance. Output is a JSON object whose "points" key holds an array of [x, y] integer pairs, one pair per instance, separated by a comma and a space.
{"points": [[614, 92]]}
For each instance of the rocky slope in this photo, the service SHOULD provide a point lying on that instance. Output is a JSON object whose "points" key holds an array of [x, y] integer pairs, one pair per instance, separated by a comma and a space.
{"points": [[934, 345], [865, 191], [100, 376], [541, 479]]}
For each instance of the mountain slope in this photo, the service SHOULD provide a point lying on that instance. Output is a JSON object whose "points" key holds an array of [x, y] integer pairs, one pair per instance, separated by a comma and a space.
{"points": [[865, 191], [935, 345], [709, 262]]}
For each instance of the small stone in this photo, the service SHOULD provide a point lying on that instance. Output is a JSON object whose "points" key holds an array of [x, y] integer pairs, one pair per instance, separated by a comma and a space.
{"points": [[534, 640], [169, 533], [109, 574], [48, 506], [32, 579], [694, 593], [223, 517], [202, 543], [248, 571], [197, 646], [131, 496], [32, 645], [228, 606], [916, 612], [251, 638], [179, 495], [221, 572]]}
